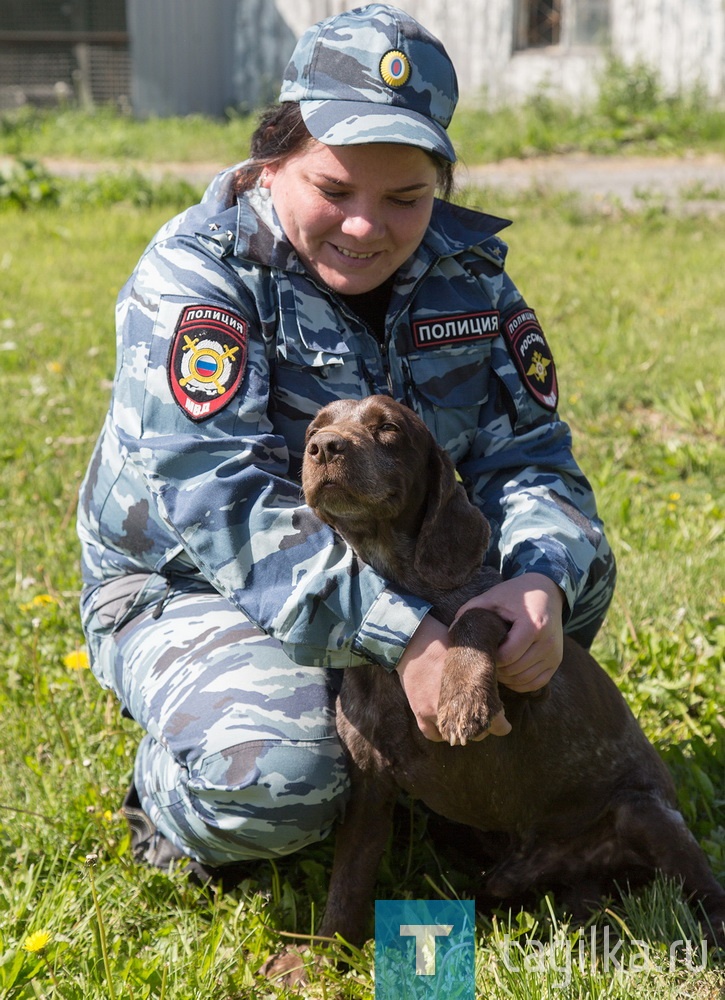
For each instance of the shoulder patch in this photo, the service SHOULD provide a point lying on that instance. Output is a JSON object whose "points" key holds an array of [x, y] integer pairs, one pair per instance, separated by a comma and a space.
{"points": [[207, 359], [532, 356]]}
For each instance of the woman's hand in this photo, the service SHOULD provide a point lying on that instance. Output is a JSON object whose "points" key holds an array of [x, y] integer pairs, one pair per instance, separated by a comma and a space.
{"points": [[531, 652], [420, 670]]}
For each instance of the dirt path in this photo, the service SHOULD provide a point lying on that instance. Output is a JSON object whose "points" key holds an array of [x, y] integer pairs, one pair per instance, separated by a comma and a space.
{"points": [[690, 184]]}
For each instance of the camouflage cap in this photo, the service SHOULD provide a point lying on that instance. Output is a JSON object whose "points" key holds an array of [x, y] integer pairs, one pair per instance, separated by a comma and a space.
{"points": [[373, 74]]}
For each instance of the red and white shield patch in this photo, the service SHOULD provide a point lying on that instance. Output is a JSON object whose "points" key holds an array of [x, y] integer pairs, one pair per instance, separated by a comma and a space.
{"points": [[532, 357], [207, 359]]}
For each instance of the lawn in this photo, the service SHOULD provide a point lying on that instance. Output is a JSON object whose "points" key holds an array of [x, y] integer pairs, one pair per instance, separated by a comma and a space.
{"points": [[634, 307]]}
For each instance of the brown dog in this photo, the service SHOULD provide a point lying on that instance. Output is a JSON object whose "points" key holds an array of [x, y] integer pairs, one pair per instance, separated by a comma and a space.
{"points": [[578, 793]]}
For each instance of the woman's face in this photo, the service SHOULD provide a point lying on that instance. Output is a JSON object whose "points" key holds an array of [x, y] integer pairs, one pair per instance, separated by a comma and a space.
{"points": [[353, 213]]}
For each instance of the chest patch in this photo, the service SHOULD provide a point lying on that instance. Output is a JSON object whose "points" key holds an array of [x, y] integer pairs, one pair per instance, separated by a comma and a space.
{"points": [[445, 330], [532, 357], [207, 360]]}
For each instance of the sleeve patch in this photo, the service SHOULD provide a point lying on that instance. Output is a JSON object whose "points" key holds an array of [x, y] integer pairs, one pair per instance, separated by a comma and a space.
{"points": [[207, 359], [532, 357]]}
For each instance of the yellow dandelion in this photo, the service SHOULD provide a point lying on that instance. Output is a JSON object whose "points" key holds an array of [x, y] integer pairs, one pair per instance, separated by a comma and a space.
{"points": [[39, 601], [77, 660], [675, 496], [108, 815], [55, 367], [38, 941]]}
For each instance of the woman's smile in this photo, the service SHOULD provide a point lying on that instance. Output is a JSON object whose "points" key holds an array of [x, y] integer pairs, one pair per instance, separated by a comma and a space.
{"points": [[355, 256]]}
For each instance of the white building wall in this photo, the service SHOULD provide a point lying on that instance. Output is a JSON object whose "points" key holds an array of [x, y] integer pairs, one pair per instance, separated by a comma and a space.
{"points": [[476, 33], [682, 40], [207, 55]]}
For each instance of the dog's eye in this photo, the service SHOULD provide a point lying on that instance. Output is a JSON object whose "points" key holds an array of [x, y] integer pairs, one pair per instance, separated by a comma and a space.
{"points": [[387, 428]]}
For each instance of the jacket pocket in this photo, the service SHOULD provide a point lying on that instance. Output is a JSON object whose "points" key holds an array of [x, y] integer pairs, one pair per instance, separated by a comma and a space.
{"points": [[112, 605], [448, 390]]}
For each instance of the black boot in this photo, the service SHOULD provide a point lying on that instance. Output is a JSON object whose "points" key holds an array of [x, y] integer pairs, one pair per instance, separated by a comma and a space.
{"points": [[147, 844], [151, 847]]}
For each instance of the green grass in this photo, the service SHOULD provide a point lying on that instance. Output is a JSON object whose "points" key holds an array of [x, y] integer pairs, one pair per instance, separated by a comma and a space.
{"points": [[105, 134], [634, 306]]}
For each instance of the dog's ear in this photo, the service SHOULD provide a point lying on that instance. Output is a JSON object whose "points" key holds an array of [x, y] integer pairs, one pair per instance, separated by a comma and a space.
{"points": [[454, 534]]}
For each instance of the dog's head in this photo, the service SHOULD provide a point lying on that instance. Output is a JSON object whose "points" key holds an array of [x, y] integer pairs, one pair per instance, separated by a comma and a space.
{"points": [[373, 463]]}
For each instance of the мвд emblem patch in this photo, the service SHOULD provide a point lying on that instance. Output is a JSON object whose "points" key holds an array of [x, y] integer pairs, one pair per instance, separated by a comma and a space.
{"points": [[207, 359], [532, 357]]}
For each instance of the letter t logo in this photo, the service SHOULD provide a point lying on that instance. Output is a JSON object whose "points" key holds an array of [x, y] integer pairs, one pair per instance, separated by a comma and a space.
{"points": [[425, 944], [425, 948]]}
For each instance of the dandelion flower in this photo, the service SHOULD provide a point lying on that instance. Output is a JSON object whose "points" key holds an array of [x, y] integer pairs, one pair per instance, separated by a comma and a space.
{"points": [[675, 496], [37, 941], [39, 601], [77, 660]]}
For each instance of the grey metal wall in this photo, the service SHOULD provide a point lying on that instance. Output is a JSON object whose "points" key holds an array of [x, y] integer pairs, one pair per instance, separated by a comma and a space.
{"points": [[182, 56], [205, 56]]}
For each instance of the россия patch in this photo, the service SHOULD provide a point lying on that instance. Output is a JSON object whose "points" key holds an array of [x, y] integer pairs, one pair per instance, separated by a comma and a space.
{"points": [[532, 356]]}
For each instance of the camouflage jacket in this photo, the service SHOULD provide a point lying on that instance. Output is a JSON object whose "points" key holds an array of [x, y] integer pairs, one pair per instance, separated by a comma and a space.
{"points": [[226, 349]]}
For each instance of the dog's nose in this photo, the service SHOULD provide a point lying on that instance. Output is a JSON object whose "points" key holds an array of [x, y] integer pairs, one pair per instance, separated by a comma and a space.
{"points": [[326, 446]]}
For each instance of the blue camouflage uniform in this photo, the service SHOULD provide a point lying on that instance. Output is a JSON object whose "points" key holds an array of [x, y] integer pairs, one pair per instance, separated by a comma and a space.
{"points": [[215, 605], [214, 600]]}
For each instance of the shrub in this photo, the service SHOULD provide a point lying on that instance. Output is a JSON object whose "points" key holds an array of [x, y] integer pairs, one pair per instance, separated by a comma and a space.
{"points": [[26, 182]]}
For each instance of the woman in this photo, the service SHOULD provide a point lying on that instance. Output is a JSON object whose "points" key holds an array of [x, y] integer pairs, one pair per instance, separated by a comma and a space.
{"points": [[216, 606]]}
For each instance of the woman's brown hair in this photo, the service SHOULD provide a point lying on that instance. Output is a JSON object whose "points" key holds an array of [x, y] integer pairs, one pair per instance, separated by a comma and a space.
{"points": [[281, 132]]}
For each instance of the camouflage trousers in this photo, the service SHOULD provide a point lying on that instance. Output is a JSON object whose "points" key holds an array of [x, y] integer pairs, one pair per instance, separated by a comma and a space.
{"points": [[240, 757]]}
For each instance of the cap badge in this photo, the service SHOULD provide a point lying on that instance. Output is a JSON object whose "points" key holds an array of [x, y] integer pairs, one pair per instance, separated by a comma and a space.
{"points": [[395, 68]]}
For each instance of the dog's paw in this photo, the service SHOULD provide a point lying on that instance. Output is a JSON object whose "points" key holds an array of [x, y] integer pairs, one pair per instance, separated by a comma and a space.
{"points": [[288, 967], [461, 720], [469, 704]]}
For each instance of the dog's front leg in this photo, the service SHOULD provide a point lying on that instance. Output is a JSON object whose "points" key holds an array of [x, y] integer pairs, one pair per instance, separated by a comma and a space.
{"points": [[469, 698], [359, 846]]}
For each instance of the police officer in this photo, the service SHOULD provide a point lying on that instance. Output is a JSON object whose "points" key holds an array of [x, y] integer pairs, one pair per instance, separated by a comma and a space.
{"points": [[216, 606]]}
